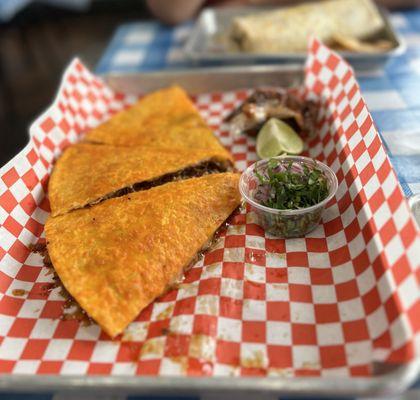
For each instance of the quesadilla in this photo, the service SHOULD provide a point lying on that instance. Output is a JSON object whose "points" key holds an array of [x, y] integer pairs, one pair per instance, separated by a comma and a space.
{"points": [[89, 173], [165, 118], [118, 256], [288, 29]]}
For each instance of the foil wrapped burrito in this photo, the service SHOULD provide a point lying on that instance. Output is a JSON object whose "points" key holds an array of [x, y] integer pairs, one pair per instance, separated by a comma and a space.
{"points": [[287, 30]]}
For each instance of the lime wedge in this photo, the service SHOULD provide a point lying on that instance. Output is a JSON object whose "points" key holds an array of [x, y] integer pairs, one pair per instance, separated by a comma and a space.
{"points": [[276, 137]]}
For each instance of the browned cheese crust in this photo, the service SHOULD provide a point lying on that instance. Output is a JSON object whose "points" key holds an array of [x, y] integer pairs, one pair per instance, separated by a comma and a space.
{"points": [[165, 118], [118, 256], [87, 172]]}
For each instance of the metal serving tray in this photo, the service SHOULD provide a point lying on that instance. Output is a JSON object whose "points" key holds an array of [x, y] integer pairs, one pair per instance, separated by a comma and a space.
{"points": [[204, 80], [206, 43], [396, 379], [387, 379]]}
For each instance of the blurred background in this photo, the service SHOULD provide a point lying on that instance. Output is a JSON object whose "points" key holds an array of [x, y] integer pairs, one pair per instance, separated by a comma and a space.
{"points": [[38, 38], [37, 41]]}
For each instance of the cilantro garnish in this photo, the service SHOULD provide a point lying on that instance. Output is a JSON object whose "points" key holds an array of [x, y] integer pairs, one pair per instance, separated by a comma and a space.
{"points": [[288, 188]]}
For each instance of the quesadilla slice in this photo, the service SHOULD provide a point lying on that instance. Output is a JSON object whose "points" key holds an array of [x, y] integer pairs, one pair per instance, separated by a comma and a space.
{"points": [[89, 173], [165, 118], [118, 256]]}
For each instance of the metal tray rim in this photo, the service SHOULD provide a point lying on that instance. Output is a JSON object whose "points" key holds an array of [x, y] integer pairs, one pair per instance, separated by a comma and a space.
{"points": [[208, 79], [260, 68], [387, 384]]}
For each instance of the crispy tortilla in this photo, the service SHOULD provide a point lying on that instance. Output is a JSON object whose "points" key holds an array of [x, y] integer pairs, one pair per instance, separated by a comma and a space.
{"points": [[87, 173], [118, 256], [165, 118]]}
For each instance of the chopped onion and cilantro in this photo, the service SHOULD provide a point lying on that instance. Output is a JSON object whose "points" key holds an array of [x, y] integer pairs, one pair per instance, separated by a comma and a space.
{"points": [[290, 187]]}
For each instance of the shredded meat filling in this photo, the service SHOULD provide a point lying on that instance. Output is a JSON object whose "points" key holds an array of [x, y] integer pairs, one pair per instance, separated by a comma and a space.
{"points": [[71, 309], [204, 168]]}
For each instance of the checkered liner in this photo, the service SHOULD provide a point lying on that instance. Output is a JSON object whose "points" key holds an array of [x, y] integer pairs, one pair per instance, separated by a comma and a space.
{"points": [[327, 304]]}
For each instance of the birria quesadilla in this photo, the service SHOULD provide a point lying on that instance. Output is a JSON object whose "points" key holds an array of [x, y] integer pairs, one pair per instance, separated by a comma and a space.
{"points": [[89, 173], [118, 256], [165, 118], [287, 30]]}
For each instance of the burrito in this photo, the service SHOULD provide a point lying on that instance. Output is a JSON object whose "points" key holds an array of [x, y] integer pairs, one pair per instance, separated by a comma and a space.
{"points": [[287, 30]]}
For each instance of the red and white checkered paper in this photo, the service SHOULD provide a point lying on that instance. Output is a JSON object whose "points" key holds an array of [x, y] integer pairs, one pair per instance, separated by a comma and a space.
{"points": [[331, 303]]}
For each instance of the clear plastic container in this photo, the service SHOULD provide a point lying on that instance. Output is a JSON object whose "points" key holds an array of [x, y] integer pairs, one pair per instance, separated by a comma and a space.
{"points": [[414, 203], [287, 223]]}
